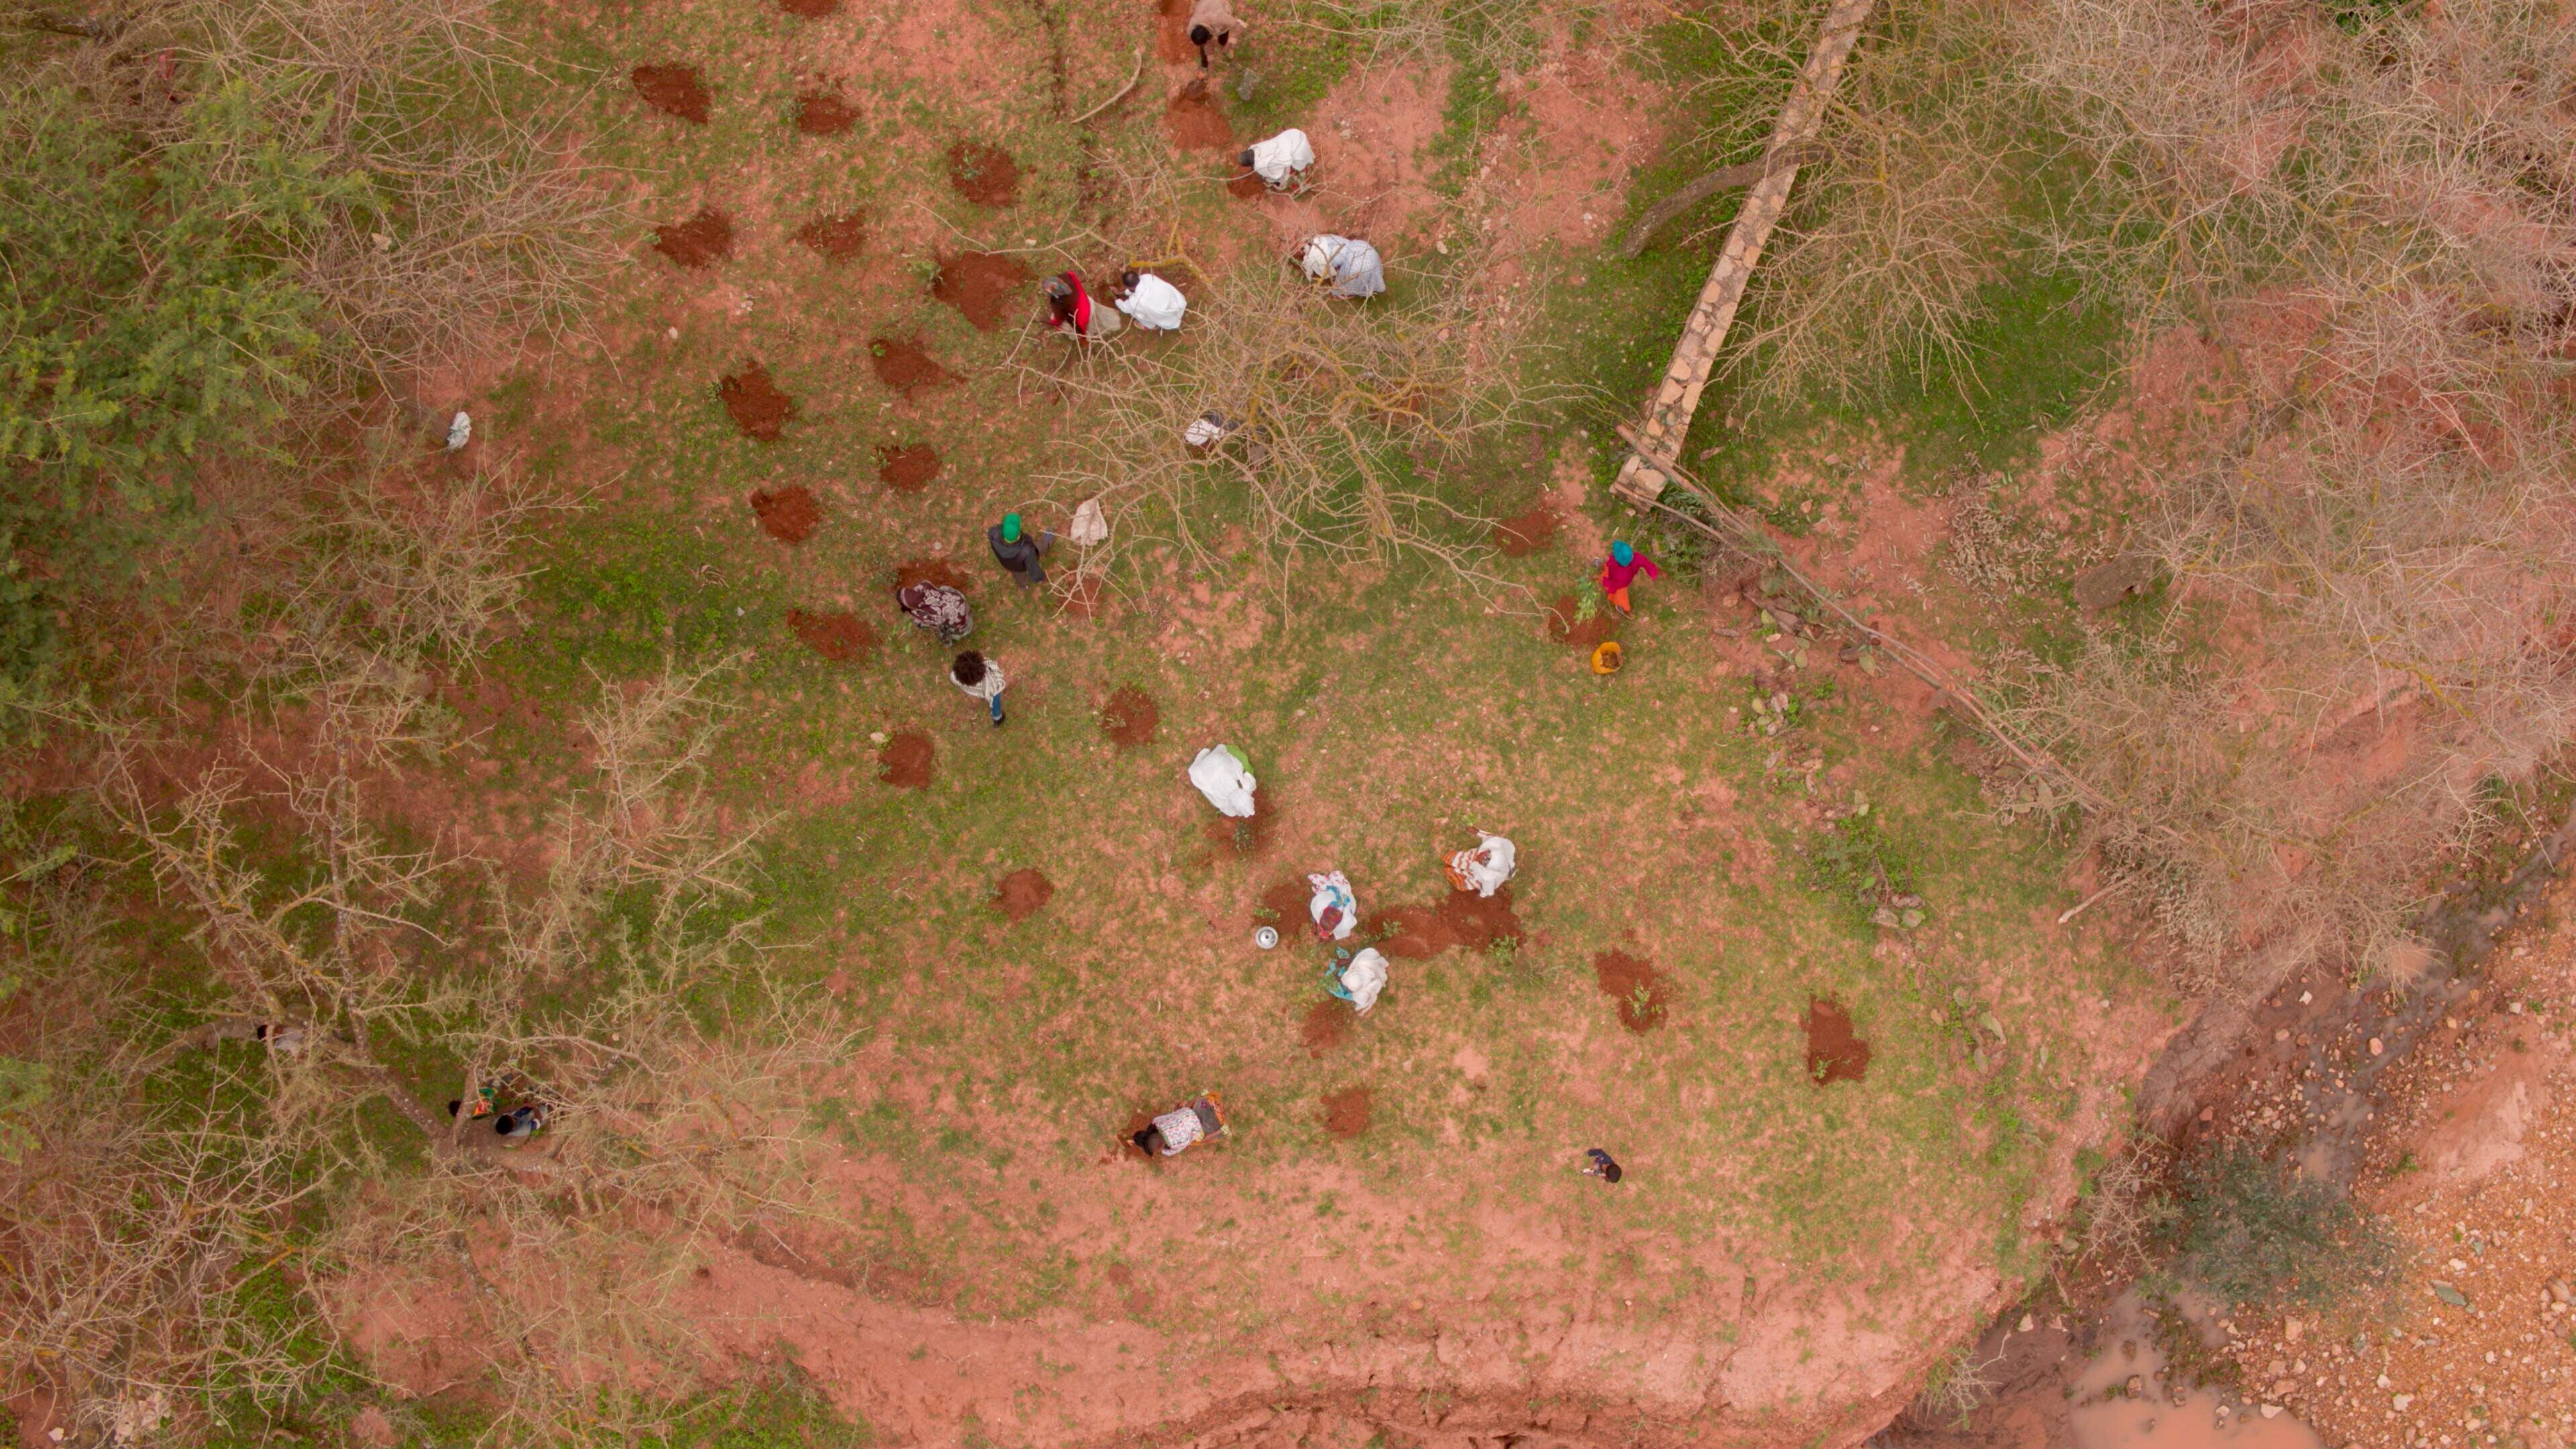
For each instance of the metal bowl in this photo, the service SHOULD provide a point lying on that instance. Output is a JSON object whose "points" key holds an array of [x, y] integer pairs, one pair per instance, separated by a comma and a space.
{"points": [[1265, 937]]}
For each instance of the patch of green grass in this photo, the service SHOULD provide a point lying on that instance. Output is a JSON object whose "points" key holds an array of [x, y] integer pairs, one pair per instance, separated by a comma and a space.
{"points": [[2254, 1234]]}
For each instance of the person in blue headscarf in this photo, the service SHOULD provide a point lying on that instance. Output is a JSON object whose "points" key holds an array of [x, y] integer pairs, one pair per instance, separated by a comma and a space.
{"points": [[1620, 569]]}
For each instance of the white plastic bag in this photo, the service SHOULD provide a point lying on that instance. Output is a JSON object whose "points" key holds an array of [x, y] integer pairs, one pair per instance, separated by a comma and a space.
{"points": [[1220, 776], [1090, 526], [1282, 156], [1352, 265], [1156, 305]]}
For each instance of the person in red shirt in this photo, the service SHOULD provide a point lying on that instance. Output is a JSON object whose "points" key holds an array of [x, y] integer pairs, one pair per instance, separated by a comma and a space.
{"points": [[1620, 569]]}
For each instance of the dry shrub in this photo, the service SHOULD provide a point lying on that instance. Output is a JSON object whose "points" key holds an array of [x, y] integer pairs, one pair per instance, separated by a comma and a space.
{"points": [[475, 228], [1347, 413], [2370, 543]]}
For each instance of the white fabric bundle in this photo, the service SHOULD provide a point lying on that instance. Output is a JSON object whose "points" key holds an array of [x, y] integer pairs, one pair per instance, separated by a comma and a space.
{"points": [[1334, 890], [1090, 525], [1156, 305], [1281, 157], [1221, 777], [1352, 265], [1487, 866], [1364, 978]]}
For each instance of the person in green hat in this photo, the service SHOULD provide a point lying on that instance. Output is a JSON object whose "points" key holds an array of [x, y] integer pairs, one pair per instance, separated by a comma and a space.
{"points": [[1018, 552]]}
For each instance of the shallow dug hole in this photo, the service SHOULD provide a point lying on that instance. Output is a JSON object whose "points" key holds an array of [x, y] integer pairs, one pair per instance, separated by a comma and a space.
{"points": [[1326, 1026], [838, 238], [837, 636], [676, 89], [1524, 534], [1636, 985], [755, 404], [1583, 634], [1129, 718], [1346, 1112], [1247, 839], [980, 285], [908, 760], [907, 469], [1414, 933], [1834, 1054], [702, 241], [821, 113], [904, 365], [809, 9], [1193, 121], [1022, 893], [984, 174], [789, 515]]}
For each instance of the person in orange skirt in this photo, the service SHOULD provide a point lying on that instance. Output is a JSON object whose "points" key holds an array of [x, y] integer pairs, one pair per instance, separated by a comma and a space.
{"points": [[1620, 569]]}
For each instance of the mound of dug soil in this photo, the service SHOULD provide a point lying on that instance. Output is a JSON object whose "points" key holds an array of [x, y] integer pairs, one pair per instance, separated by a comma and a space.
{"points": [[1524, 534], [821, 113], [903, 364], [1022, 893], [1247, 187], [984, 174], [676, 89], [1327, 1025], [1414, 933], [1130, 717], [809, 9], [789, 514], [1834, 1054], [907, 469], [908, 761], [837, 636], [838, 238], [1637, 986], [1346, 1112], [702, 241], [755, 404], [979, 284], [932, 571], [1583, 634], [1193, 121]]}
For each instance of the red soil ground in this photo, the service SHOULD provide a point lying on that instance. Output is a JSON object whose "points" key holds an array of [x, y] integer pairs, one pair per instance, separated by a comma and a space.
{"points": [[702, 241], [909, 468], [1172, 32], [1193, 121], [1022, 893], [809, 9], [789, 514], [908, 761], [1247, 187], [984, 174], [1636, 984], [837, 636], [1346, 1112], [821, 113], [755, 404], [903, 365], [1414, 933], [676, 89], [1524, 534], [1834, 1054], [1285, 904], [838, 238], [1327, 1024], [980, 285], [932, 571], [1585, 634], [1130, 717]]}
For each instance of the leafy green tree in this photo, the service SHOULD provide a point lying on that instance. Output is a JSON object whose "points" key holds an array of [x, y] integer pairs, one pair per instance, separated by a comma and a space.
{"points": [[148, 318]]}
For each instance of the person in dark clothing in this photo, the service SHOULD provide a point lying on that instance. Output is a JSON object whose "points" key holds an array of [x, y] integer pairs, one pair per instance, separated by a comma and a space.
{"points": [[1597, 1163], [1013, 549]]}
